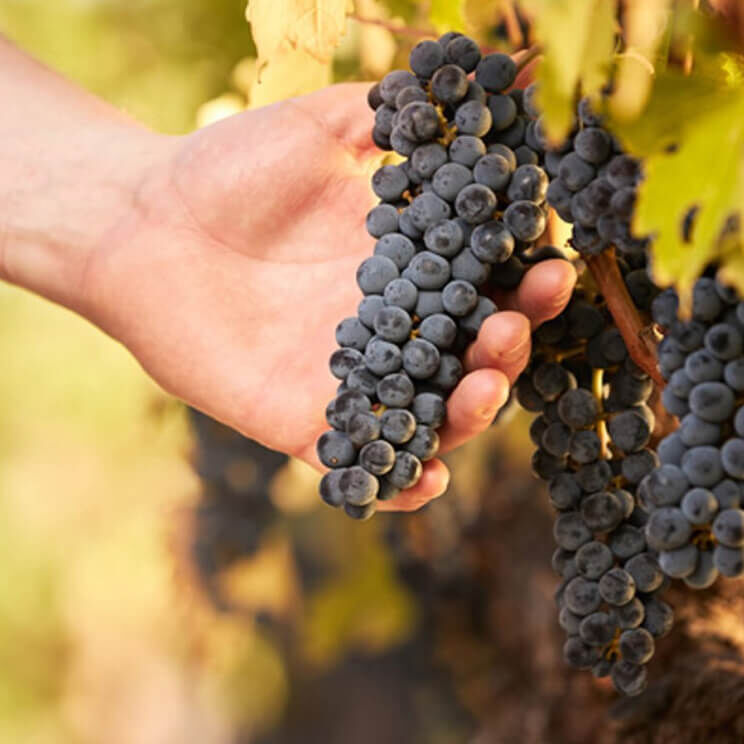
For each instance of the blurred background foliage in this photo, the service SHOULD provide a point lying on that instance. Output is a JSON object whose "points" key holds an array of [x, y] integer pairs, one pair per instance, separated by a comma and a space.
{"points": [[167, 581]]}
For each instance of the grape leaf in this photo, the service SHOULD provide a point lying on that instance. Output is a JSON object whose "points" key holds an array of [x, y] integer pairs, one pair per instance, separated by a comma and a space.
{"points": [[289, 73], [481, 15], [677, 102], [706, 170], [446, 15], [578, 41], [313, 26]]}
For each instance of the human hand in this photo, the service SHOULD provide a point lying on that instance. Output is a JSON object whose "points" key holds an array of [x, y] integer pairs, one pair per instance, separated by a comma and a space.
{"points": [[224, 260]]}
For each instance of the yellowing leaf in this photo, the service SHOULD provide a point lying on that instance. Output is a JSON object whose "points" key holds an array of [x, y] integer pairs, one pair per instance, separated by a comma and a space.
{"points": [[481, 15], [446, 15], [644, 26], [676, 104], [578, 42], [313, 26], [706, 170], [289, 73], [376, 45]]}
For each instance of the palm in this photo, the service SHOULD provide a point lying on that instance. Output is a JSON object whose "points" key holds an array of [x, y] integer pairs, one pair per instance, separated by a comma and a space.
{"points": [[264, 220]]}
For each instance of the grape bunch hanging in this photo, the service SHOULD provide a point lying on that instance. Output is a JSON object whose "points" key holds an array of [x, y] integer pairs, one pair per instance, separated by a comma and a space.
{"points": [[463, 213]]}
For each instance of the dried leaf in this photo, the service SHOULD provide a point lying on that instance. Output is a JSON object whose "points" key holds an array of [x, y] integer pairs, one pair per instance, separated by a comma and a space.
{"points": [[312, 26]]}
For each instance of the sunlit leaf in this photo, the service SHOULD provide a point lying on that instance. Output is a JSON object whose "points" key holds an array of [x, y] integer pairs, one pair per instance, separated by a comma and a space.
{"points": [[480, 15], [290, 72], [706, 170], [578, 42], [376, 45], [446, 15], [677, 103], [313, 26], [219, 108], [645, 23]]}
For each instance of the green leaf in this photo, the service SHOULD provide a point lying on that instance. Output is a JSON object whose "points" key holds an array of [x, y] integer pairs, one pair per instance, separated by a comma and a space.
{"points": [[676, 104], [446, 15], [707, 171], [578, 41]]}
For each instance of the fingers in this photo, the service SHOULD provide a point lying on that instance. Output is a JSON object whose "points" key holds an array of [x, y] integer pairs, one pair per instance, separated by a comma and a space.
{"points": [[544, 291], [433, 483], [503, 343], [472, 406]]}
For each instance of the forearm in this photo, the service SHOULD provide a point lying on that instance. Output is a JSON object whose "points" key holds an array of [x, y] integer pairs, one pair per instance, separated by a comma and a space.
{"points": [[71, 167]]}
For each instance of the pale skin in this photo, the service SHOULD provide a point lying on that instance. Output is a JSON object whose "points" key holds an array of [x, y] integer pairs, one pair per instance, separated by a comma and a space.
{"points": [[224, 259]]}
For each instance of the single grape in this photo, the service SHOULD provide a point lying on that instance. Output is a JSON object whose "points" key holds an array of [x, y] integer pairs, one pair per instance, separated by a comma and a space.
{"points": [[636, 645], [406, 471], [496, 72], [570, 532], [476, 203], [644, 568], [424, 443], [473, 118], [525, 220], [446, 238], [430, 409], [363, 427], [335, 449], [377, 457], [616, 587], [449, 84], [582, 597], [702, 465], [680, 562], [439, 329], [729, 561], [398, 425], [420, 358], [428, 271], [593, 559], [466, 150], [395, 390], [667, 529], [393, 324], [728, 528], [426, 58], [396, 247], [704, 574], [732, 457], [450, 180], [382, 358]]}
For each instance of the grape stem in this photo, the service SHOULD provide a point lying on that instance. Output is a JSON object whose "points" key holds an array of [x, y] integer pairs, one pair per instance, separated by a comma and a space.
{"points": [[394, 28], [598, 393], [639, 339], [526, 56]]}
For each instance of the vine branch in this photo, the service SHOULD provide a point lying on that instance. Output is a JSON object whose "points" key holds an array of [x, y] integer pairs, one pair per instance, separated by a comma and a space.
{"points": [[527, 57], [639, 340], [394, 28]]}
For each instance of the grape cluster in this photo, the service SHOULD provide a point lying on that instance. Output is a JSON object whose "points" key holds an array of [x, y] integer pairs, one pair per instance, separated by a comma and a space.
{"points": [[457, 217], [234, 510], [460, 215], [592, 437], [695, 497], [593, 182]]}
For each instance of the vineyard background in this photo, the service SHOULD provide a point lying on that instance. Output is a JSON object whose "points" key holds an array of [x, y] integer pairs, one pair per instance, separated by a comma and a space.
{"points": [[168, 581]]}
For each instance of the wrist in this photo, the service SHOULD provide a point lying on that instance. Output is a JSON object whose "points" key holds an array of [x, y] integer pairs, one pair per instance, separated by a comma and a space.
{"points": [[63, 202]]}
